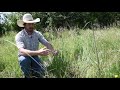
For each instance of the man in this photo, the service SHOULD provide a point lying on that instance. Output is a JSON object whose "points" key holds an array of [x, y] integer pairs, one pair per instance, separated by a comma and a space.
{"points": [[27, 41]]}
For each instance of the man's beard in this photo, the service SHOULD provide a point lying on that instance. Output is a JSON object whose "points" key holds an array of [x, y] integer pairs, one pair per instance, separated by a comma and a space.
{"points": [[31, 29]]}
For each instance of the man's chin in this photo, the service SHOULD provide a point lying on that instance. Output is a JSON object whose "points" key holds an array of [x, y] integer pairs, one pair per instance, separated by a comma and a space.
{"points": [[31, 30]]}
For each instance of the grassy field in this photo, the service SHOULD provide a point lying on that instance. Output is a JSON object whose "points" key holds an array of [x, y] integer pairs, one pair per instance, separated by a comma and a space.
{"points": [[83, 54]]}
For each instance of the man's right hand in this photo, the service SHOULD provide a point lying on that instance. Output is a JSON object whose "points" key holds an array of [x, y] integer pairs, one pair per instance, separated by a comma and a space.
{"points": [[44, 52]]}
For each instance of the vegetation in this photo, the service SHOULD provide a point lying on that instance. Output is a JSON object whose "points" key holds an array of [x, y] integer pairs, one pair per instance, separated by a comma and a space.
{"points": [[53, 20], [88, 43], [78, 57]]}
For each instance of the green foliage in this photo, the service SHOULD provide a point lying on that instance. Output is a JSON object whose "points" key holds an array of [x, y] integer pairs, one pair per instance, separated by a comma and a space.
{"points": [[77, 57], [75, 19], [55, 20]]}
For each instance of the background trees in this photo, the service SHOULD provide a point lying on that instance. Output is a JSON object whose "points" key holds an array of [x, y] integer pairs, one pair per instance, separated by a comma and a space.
{"points": [[52, 20]]}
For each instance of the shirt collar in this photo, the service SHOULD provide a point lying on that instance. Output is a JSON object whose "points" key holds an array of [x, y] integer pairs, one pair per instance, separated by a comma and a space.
{"points": [[26, 32]]}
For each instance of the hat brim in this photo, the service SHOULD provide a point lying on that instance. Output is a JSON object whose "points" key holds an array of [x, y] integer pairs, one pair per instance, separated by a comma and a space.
{"points": [[20, 23]]}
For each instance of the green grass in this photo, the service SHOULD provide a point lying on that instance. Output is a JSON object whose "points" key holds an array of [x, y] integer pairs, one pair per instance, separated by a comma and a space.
{"points": [[82, 54]]}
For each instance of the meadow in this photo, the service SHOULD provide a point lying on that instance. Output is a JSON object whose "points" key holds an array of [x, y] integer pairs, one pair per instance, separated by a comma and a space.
{"points": [[82, 54]]}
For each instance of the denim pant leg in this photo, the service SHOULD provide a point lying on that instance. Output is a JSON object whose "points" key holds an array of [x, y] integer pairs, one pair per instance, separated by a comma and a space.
{"points": [[38, 69], [25, 64]]}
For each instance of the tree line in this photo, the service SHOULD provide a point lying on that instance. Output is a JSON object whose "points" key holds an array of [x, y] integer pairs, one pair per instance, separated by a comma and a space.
{"points": [[55, 20]]}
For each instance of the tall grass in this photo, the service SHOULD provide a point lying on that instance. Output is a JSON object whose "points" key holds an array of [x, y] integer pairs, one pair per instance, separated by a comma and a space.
{"points": [[83, 54]]}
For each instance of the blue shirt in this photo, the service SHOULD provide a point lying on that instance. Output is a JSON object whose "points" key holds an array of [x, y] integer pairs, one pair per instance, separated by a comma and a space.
{"points": [[30, 42]]}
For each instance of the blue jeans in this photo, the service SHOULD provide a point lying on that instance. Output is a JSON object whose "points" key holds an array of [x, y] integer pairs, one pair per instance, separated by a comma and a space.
{"points": [[30, 68]]}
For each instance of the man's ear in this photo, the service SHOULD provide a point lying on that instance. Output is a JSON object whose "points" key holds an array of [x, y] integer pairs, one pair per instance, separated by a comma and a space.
{"points": [[24, 24]]}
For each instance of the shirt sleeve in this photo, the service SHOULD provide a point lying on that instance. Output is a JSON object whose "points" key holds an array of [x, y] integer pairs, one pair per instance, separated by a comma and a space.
{"points": [[19, 42], [42, 39]]}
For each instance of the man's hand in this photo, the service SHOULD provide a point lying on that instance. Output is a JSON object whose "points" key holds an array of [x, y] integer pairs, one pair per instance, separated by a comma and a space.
{"points": [[44, 52], [55, 52]]}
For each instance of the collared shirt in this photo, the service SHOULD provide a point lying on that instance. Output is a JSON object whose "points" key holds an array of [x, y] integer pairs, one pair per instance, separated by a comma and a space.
{"points": [[30, 42]]}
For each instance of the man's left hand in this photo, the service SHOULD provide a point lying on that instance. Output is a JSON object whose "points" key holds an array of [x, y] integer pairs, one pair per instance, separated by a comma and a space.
{"points": [[55, 52]]}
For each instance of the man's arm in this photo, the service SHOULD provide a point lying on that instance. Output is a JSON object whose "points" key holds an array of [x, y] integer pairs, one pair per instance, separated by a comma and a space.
{"points": [[26, 52], [42, 52], [47, 44]]}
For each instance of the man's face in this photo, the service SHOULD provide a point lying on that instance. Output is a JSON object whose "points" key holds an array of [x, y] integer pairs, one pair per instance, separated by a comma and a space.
{"points": [[29, 26]]}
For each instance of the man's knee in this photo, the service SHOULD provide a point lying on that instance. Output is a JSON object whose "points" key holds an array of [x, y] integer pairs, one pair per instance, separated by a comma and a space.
{"points": [[25, 65], [24, 60]]}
